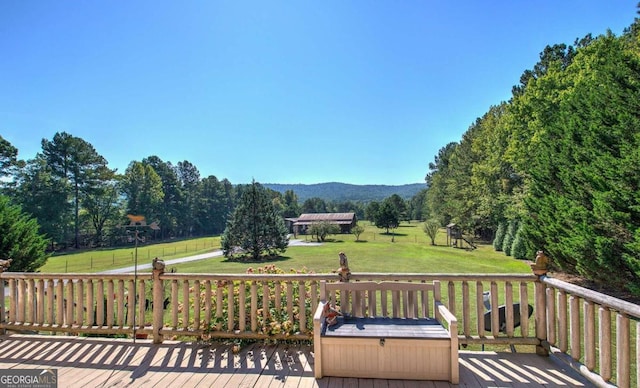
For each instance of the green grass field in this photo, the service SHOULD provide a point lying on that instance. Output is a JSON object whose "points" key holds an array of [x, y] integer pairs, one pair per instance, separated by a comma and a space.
{"points": [[410, 251]]}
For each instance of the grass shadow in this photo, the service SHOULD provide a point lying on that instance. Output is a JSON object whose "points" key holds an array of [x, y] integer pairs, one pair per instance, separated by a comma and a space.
{"points": [[251, 260]]}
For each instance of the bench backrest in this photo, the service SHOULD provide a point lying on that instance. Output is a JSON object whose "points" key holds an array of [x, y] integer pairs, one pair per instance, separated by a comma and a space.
{"points": [[383, 299]]}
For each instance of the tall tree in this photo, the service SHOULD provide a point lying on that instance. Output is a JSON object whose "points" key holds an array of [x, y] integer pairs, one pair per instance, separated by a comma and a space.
{"points": [[291, 206], [143, 190], [8, 157], [189, 178], [172, 195], [255, 227], [74, 160], [102, 203], [213, 210]]}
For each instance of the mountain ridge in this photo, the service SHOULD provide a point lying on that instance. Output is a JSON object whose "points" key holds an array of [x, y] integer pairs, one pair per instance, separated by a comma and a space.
{"points": [[340, 192]]}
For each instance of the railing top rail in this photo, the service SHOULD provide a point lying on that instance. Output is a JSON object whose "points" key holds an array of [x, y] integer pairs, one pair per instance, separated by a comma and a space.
{"points": [[356, 276], [594, 296], [73, 276]]}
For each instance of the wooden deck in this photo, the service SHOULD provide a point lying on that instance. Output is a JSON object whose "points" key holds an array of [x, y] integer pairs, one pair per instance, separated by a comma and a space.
{"points": [[101, 362]]}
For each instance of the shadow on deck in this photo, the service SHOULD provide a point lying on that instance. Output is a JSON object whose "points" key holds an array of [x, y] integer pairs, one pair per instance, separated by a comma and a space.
{"points": [[103, 362]]}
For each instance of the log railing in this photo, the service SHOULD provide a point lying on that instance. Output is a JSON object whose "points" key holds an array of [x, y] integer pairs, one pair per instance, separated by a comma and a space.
{"points": [[579, 327], [570, 321], [234, 305]]}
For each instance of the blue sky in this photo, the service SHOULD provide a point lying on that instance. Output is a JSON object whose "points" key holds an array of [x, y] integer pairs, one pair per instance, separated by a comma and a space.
{"points": [[362, 92]]}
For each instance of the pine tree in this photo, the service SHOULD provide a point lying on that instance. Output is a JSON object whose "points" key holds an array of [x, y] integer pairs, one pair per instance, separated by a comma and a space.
{"points": [[255, 228]]}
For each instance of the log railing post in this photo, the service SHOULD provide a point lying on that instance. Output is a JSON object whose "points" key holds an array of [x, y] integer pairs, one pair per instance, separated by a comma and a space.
{"points": [[158, 300], [3, 310]]}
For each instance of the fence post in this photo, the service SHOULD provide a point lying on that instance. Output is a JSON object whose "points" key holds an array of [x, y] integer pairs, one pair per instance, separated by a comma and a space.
{"points": [[540, 268], [158, 300]]}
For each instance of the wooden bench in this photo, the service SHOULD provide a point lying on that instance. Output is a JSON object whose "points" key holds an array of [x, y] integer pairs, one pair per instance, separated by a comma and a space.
{"points": [[386, 331]]}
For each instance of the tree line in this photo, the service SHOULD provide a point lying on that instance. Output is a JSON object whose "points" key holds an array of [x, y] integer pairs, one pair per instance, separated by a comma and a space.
{"points": [[79, 201], [557, 167]]}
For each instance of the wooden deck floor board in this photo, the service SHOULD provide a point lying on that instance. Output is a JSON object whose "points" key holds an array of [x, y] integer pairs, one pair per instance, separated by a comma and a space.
{"points": [[106, 362]]}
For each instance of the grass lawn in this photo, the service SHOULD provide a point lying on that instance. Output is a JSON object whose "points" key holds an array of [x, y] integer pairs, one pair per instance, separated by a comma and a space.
{"points": [[411, 251], [111, 258]]}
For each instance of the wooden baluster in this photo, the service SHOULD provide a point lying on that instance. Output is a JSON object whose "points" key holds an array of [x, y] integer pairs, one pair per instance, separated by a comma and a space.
{"points": [[208, 303], [254, 306], [480, 309], [89, 303], [242, 303], [174, 304], [451, 296], [509, 314], [30, 302], [69, 306], [290, 300], [109, 303], [551, 315], [604, 340], [266, 300], [622, 350], [99, 303], [13, 300], [495, 306], [466, 309], [589, 334], [563, 331], [219, 301], [524, 309], [302, 292], [40, 297], [50, 301], [185, 304], [79, 306], [230, 307], [142, 304], [22, 294], [277, 295], [120, 299], [314, 296], [574, 326], [131, 302], [196, 305], [63, 303]]}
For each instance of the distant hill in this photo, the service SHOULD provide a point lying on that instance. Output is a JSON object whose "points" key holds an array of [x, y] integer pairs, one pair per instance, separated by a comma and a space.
{"points": [[340, 192]]}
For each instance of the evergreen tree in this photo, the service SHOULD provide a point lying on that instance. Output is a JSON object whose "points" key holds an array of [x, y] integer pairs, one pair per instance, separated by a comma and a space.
{"points": [[20, 240], [255, 226], [507, 244], [499, 239], [519, 247]]}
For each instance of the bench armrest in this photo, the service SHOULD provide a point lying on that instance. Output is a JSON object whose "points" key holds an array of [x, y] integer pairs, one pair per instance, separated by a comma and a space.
{"points": [[319, 314], [452, 321], [318, 321]]}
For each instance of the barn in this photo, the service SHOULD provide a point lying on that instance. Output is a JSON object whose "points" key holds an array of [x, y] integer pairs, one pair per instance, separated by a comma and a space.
{"points": [[344, 220]]}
